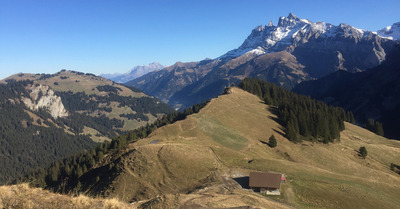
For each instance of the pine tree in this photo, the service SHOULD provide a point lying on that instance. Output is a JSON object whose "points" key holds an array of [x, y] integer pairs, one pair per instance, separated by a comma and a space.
{"points": [[363, 152], [379, 128], [374, 126], [272, 141], [350, 117], [54, 172], [67, 169], [291, 132], [370, 125], [78, 171]]}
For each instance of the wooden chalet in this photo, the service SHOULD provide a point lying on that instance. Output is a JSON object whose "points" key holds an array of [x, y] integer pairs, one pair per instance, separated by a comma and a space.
{"points": [[265, 182]]}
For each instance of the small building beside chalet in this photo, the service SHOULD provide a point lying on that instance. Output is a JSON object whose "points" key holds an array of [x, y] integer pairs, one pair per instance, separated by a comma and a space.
{"points": [[265, 182]]}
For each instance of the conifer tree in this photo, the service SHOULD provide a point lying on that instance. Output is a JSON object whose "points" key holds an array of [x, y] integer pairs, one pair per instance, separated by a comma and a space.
{"points": [[272, 141], [379, 128], [350, 117], [291, 132], [54, 171], [363, 152]]}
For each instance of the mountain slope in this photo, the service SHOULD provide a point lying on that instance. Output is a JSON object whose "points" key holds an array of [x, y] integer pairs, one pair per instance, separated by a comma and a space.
{"points": [[135, 72], [22, 196], [204, 154], [293, 51], [47, 117], [391, 32], [371, 94]]}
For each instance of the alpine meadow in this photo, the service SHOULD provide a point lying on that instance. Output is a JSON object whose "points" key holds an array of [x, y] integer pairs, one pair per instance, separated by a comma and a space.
{"points": [[303, 113]]}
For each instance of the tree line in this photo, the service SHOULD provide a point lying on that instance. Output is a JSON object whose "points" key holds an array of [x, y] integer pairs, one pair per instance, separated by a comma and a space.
{"points": [[374, 126], [302, 117], [80, 101]]}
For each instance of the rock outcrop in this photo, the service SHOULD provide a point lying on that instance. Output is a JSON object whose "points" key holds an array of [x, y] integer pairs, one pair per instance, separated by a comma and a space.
{"points": [[42, 96]]}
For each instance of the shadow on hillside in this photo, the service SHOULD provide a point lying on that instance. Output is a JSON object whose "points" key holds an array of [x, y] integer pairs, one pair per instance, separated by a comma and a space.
{"points": [[280, 132], [243, 182], [275, 119], [274, 111]]}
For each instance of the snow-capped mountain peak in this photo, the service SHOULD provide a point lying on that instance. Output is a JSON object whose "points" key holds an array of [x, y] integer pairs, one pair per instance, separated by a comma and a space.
{"points": [[290, 32], [391, 32], [270, 38], [291, 20]]}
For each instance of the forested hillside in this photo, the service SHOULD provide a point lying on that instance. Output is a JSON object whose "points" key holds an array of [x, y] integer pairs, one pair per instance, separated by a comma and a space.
{"points": [[48, 117], [27, 143], [373, 96], [303, 118]]}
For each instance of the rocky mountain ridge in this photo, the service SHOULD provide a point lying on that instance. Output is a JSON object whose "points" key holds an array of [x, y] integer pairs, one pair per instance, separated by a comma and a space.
{"points": [[135, 72], [292, 31], [316, 50], [391, 32]]}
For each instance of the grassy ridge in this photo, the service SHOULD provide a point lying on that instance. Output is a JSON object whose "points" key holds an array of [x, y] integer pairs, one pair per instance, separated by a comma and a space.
{"points": [[200, 155], [320, 175]]}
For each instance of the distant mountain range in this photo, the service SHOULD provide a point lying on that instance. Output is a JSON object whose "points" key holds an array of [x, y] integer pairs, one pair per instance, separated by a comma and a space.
{"points": [[295, 50], [373, 94], [135, 72], [45, 117]]}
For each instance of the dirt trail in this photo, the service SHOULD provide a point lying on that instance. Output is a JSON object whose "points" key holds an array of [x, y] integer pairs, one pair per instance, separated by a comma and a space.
{"points": [[289, 194]]}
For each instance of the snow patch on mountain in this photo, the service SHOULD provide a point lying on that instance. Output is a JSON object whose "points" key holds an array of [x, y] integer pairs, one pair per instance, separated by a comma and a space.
{"points": [[391, 32], [291, 31]]}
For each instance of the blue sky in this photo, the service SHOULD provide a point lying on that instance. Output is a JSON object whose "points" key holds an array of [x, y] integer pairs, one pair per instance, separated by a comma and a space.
{"points": [[108, 36]]}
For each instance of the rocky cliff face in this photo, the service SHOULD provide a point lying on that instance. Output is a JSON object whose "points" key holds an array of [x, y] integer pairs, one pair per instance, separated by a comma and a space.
{"points": [[42, 96]]}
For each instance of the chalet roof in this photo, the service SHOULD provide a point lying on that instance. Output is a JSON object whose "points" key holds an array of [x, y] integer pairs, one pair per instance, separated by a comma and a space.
{"points": [[265, 180]]}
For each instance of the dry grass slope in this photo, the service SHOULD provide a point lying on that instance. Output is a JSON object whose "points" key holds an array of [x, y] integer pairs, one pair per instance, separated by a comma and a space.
{"points": [[24, 197], [320, 175]]}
